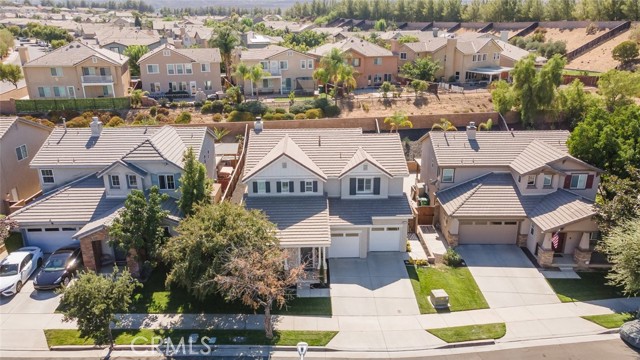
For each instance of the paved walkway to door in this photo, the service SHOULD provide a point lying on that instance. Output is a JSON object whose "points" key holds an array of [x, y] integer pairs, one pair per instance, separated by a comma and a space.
{"points": [[506, 277]]}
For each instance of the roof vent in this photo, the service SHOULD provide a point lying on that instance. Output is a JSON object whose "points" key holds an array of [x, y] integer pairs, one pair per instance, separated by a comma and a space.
{"points": [[258, 126], [96, 127], [471, 130]]}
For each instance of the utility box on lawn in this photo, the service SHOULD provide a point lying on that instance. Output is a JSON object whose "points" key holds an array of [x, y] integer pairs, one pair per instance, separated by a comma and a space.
{"points": [[439, 299]]}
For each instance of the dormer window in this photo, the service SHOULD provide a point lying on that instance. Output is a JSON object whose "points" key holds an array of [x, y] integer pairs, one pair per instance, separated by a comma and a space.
{"points": [[531, 181], [132, 181], [548, 180], [364, 186], [114, 181]]}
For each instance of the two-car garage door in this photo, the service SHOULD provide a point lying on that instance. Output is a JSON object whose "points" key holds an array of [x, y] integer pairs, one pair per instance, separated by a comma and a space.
{"points": [[381, 238], [487, 232]]}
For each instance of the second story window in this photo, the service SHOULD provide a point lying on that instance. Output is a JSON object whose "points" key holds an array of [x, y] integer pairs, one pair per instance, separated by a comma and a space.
{"points": [[309, 64], [579, 181], [21, 152], [179, 69], [364, 186], [261, 187], [114, 181], [132, 181], [284, 65], [496, 56], [303, 64], [56, 71], [171, 70], [548, 180], [188, 69], [265, 65], [377, 61], [47, 176], [531, 181], [166, 52], [166, 182], [403, 56], [447, 175], [355, 62], [205, 67], [153, 69]]}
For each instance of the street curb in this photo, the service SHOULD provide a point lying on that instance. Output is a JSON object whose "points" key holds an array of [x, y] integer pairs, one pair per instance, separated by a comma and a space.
{"points": [[467, 344], [195, 347]]}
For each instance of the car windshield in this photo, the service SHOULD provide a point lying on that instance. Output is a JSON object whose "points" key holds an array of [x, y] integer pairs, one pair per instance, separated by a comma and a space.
{"points": [[8, 269], [56, 262]]}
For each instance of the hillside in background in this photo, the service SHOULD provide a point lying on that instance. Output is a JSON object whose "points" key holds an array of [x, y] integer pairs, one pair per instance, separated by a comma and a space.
{"points": [[283, 4]]}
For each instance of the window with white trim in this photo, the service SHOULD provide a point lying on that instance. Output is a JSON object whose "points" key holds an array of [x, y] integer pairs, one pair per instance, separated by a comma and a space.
{"points": [[166, 182], [447, 175], [262, 187], [21, 152], [171, 69], [309, 64], [377, 61], [548, 180], [284, 65], [183, 86], [531, 181], [364, 185], [484, 57], [44, 91], [284, 186], [303, 64], [47, 176], [355, 62], [496, 56], [179, 69], [59, 91], [155, 87], [188, 69], [94, 60], [132, 181], [532, 229], [153, 69], [594, 238], [403, 56], [578, 181], [56, 71], [208, 85], [265, 65], [114, 181], [308, 186], [205, 67], [166, 52]]}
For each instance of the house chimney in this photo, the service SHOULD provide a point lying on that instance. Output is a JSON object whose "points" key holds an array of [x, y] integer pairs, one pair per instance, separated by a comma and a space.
{"points": [[24, 54], [504, 35], [435, 32], [471, 130], [96, 127], [258, 125]]}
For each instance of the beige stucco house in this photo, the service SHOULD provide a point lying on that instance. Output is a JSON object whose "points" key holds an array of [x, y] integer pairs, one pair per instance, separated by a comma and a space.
{"points": [[462, 59], [373, 64], [167, 70], [512, 187], [77, 70], [20, 140], [288, 70]]}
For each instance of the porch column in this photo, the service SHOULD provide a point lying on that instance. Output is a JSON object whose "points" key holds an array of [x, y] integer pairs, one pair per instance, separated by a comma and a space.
{"points": [[113, 91], [582, 253], [490, 78], [545, 251], [84, 93]]}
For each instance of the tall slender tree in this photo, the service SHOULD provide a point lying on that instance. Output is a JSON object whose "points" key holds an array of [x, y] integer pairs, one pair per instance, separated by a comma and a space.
{"points": [[225, 40], [195, 186]]}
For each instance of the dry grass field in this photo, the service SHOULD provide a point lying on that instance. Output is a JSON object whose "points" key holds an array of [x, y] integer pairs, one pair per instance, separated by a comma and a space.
{"points": [[573, 37], [599, 58]]}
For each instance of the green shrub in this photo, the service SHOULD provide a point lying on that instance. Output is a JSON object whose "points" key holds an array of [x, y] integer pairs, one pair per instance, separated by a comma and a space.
{"points": [[227, 109], [163, 102], [88, 114], [300, 116], [217, 117], [163, 111], [418, 262], [314, 114], [280, 111], [173, 105], [240, 116], [115, 122], [78, 122], [163, 119], [183, 104], [183, 118], [143, 119], [217, 106], [288, 116], [153, 111], [255, 107], [331, 111], [452, 258], [207, 108]]}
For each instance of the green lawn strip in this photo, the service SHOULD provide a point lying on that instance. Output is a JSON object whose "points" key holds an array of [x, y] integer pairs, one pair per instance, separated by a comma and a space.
{"points": [[459, 284], [470, 332], [580, 72], [154, 298], [590, 286], [223, 337], [610, 321]]}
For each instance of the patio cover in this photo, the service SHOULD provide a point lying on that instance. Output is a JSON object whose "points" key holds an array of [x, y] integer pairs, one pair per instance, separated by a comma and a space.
{"points": [[490, 70]]}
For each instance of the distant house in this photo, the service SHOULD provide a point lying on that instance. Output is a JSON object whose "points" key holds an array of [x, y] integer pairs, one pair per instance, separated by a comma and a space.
{"points": [[86, 175], [168, 70], [117, 40], [374, 64], [252, 40], [20, 140], [288, 70], [512, 187], [77, 71]]}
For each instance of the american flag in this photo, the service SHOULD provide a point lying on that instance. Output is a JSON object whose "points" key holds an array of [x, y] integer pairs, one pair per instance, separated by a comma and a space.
{"points": [[555, 240]]}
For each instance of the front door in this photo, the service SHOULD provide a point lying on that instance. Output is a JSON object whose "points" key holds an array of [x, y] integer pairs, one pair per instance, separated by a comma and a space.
{"points": [[560, 248], [194, 87], [72, 91]]}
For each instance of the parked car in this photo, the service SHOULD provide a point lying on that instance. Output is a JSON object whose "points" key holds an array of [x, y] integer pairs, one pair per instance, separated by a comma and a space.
{"points": [[59, 269], [17, 267]]}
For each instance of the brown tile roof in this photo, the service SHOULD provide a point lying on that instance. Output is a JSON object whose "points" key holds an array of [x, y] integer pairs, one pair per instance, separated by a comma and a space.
{"points": [[74, 53], [352, 44], [196, 55], [262, 53]]}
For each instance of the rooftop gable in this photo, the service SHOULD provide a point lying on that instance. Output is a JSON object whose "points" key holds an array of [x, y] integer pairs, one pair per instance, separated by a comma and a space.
{"points": [[75, 53], [359, 157], [7, 122], [352, 44]]}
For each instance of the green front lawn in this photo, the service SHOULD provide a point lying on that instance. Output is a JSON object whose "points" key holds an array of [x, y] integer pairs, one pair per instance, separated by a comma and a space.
{"points": [[463, 291], [610, 321], [590, 286], [224, 337], [470, 332], [154, 298]]}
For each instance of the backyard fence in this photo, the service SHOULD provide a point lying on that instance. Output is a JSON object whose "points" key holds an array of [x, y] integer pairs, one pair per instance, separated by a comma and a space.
{"points": [[599, 40], [45, 105]]}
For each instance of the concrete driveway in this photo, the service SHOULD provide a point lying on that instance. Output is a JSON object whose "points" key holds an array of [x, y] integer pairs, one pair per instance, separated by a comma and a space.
{"points": [[23, 316], [506, 277]]}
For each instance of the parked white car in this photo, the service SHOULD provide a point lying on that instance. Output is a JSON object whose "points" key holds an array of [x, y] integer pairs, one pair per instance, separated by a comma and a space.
{"points": [[16, 269]]}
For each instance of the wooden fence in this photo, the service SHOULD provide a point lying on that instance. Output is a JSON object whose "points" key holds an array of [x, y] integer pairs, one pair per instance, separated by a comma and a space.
{"points": [[237, 171], [599, 40]]}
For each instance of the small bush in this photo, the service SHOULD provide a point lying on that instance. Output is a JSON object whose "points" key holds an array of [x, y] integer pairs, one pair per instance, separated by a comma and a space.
{"points": [[78, 122], [331, 111], [365, 107], [592, 29], [280, 111], [115, 122], [88, 114], [141, 117], [183, 104], [227, 109], [314, 114], [163, 119], [452, 258], [207, 108], [255, 107], [418, 262], [217, 117], [217, 106], [153, 111], [163, 102], [300, 116], [297, 109], [240, 116], [183, 118], [163, 111], [173, 105], [408, 246]]}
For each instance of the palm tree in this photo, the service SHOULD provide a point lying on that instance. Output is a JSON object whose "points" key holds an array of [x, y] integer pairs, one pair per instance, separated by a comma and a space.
{"points": [[487, 125], [256, 73], [347, 77], [226, 40], [332, 63], [220, 133], [242, 72], [444, 125], [398, 120], [321, 76], [136, 97]]}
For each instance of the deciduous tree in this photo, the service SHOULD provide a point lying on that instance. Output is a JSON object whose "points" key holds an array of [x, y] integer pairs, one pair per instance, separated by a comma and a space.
{"points": [[420, 69], [618, 88], [619, 199], [625, 52], [6, 226], [11, 73], [622, 245]]}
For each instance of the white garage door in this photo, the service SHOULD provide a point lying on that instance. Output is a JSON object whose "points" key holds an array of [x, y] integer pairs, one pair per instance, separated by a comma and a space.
{"points": [[49, 239], [488, 232], [344, 245], [385, 238]]}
